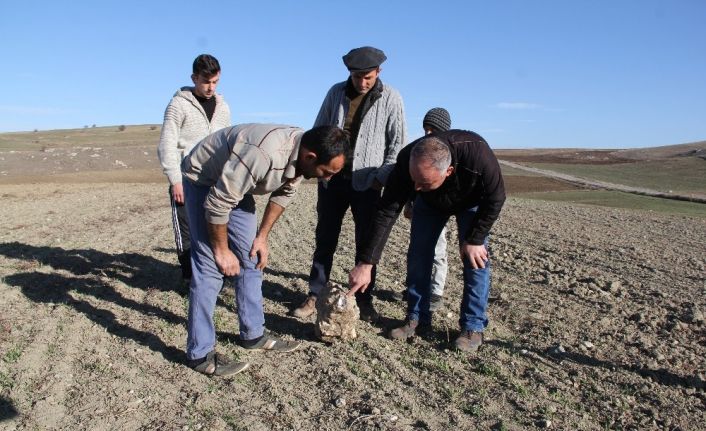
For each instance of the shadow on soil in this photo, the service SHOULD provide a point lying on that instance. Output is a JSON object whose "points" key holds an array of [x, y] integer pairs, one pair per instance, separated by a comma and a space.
{"points": [[660, 376], [280, 324], [7, 410], [91, 272]]}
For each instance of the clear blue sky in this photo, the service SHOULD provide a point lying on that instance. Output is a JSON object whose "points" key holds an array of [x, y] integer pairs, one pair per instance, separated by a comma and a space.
{"points": [[602, 74]]}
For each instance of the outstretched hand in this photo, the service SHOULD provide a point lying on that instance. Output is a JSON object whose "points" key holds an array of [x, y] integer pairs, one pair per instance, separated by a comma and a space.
{"points": [[359, 278]]}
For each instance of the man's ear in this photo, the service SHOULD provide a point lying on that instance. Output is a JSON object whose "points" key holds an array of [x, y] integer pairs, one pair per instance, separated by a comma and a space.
{"points": [[309, 155], [193, 78], [449, 171]]}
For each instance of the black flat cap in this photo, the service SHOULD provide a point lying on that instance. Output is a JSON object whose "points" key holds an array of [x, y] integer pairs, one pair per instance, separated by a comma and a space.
{"points": [[364, 59]]}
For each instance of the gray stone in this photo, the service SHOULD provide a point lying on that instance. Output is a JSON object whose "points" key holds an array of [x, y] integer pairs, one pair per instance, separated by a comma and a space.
{"points": [[558, 349], [694, 315], [544, 423], [614, 287]]}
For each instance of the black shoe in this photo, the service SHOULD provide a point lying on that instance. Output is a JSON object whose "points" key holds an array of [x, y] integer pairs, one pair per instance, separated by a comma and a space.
{"points": [[367, 312], [269, 342], [215, 364]]}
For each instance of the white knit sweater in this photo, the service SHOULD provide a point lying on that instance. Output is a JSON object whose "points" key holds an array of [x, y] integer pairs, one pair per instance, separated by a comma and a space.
{"points": [[185, 124], [382, 134]]}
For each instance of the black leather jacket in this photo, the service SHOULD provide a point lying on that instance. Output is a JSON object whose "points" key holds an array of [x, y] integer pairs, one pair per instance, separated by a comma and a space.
{"points": [[475, 182]]}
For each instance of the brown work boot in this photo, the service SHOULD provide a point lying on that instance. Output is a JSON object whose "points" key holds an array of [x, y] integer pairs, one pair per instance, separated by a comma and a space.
{"points": [[469, 341], [409, 330], [306, 309]]}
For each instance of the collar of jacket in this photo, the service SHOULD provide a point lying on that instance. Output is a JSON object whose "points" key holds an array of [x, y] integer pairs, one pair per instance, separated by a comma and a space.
{"points": [[374, 94], [187, 93], [290, 171]]}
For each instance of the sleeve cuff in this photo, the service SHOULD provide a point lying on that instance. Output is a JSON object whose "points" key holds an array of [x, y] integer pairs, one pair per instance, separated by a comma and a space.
{"points": [[174, 177], [217, 218], [282, 201]]}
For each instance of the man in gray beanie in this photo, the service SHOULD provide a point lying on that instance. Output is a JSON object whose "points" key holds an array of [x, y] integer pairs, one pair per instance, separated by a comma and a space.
{"points": [[373, 115], [436, 120]]}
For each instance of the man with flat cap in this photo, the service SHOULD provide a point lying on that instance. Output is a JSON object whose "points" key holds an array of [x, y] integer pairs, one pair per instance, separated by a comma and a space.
{"points": [[373, 115]]}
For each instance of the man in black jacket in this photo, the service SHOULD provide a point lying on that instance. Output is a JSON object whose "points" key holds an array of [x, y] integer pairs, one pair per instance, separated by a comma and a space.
{"points": [[451, 173]]}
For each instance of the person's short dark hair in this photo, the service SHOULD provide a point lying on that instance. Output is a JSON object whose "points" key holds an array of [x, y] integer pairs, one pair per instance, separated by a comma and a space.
{"points": [[327, 142], [206, 65]]}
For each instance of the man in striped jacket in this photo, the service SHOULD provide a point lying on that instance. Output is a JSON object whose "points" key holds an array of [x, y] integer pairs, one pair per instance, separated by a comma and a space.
{"points": [[373, 115], [192, 114], [221, 175]]}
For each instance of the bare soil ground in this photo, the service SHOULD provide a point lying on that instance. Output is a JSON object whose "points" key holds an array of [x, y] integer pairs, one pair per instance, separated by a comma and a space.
{"points": [[596, 323]]}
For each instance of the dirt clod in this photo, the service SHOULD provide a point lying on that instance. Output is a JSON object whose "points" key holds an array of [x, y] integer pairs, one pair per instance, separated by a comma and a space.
{"points": [[337, 314]]}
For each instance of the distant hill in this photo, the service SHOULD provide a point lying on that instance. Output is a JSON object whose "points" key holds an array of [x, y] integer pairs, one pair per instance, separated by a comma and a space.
{"points": [[105, 136], [693, 149], [675, 171], [145, 134], [602, 157]]}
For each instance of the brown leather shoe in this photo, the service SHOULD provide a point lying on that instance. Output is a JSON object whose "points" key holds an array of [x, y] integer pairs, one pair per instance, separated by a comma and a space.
{"points": [[409, 330], [469, 341], [306, 309]]}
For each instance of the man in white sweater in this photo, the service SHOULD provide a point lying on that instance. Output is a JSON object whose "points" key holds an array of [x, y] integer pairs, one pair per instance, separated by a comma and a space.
{"points": [[192, 114], [373, 116]]}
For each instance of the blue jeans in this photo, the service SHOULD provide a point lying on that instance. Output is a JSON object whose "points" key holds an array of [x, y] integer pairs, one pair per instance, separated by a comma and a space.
{"points": [[427, 224], [333, 202], [206, 279]]}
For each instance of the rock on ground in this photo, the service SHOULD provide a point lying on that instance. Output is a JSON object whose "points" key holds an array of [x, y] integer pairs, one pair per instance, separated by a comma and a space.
{"points": [[336, 314]]}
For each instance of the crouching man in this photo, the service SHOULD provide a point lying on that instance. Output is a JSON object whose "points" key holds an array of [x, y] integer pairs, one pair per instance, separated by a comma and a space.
{"points": [[222, 174], [448, 173]]}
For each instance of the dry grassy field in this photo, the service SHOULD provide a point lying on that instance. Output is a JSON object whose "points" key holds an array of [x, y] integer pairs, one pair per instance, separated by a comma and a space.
{"points": [[596, 311], [674, 168]]}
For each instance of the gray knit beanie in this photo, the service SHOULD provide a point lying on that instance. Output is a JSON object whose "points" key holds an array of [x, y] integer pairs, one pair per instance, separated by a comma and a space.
{"points": [[438, 119]]}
